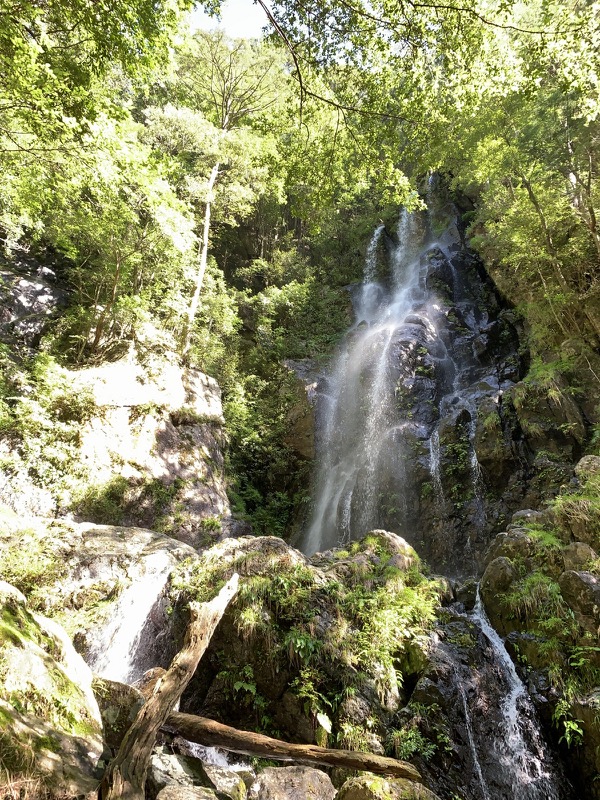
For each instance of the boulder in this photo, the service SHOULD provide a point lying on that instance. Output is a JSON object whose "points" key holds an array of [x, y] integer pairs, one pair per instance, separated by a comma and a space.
{"points": [[588, 467], [50, 721], [89, 575], [512, 544], [497, 579], [581, 592], [174, 792], [292, 783], [466, 593], [577, 556], [371, 787], [227, 783], [168, 768], [119, 704]]}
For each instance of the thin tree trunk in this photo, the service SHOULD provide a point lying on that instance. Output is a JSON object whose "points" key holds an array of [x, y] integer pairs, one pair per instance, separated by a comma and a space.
{"points": [[126, 775], [210, 733], [202, 259]]}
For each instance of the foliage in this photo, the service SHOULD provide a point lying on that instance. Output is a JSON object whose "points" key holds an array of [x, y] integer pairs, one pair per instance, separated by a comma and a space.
{"points": [[572, 732], [43, 423], [280, 610]]}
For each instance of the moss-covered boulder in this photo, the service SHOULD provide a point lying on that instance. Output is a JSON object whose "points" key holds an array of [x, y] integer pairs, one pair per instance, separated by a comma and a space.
{"points": [[292, 783], [373, 787], [50, 723], [311, 652]]}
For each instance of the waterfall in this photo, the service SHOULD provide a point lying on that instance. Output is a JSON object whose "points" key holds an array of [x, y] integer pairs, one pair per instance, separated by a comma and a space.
{"points": [[358, 428], [401, 370], [472, 746], [118, 652]]}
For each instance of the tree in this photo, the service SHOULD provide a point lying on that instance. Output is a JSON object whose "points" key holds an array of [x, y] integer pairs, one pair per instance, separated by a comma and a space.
{"points": [[220, 87]]}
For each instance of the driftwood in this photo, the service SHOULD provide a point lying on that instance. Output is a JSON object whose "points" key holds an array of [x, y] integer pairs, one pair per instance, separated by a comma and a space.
{"points": [[126, 774], [213, 734]]}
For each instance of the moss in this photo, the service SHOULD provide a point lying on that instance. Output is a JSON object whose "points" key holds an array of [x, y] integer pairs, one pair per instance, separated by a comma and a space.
{"points": [[23, 643], [372, 616], [30, 565]]}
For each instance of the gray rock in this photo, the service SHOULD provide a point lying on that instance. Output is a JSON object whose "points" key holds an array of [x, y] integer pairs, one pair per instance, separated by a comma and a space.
{"points": [[119, 704], [587, 467], [581, 591], [59, 737], [515, 543], [577, 556], [227, 783], [170, 768], [466, 593], [292, 783], [174, 792], [497, 579]]}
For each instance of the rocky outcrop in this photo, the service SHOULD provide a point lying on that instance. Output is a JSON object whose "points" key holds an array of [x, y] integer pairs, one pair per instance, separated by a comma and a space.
{"points": [[542, 589], [51, 728], [300, 436], [581, 592], [147, 451], [298, 636], [370, 787]]}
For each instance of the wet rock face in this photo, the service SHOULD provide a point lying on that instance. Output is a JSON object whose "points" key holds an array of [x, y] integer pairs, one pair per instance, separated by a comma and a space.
{"points": [[529, 581], [457, 704]]}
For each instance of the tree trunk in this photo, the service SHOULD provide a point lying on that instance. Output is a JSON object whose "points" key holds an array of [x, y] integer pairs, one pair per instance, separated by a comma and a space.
{"points": [[214, 734], [126, 775], [202, 259]]}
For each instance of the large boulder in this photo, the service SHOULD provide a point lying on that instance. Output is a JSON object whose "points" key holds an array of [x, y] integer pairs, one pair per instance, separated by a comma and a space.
{"points": [[51, 726], [581, 591], [578, 556], [177, 792], [307, 648], [373, 787], [499, 575], [292, 783]]}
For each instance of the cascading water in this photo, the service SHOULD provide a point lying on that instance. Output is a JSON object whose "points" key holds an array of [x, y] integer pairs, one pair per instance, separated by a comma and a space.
{"points": [[519, 746], [407, 366], [397, 433], [118, 652]]}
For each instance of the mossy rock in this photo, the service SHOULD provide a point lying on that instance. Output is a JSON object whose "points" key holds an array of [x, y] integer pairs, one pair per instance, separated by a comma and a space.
{"points": [[375, 787], [50, 721]]}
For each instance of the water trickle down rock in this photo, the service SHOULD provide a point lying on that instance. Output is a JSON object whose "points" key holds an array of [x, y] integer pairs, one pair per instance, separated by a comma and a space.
{"points": [[475, 703]]}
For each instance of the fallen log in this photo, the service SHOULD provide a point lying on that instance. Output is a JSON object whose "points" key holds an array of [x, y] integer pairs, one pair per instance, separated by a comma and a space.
{"points": [[214, 734], [126, 774]]}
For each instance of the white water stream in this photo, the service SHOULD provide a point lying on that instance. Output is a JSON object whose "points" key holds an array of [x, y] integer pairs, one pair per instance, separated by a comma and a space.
{"points": [[115, 651], [359, 430], [519, 746]]}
